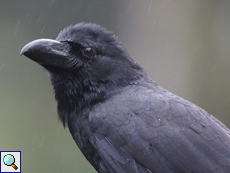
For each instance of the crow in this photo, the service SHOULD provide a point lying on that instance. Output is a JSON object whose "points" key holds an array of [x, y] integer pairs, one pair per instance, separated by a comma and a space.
{"points": [[121, 120]]}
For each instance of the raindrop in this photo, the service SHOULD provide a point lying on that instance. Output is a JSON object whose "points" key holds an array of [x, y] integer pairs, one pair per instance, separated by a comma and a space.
{"points": [[1, 66], [43, 29], [28, 15], [150, 5], [52, 2], [32, 141], [38, 20], [198, 86], [154, 23], [16, 28], [166, 46], [41, 142]]}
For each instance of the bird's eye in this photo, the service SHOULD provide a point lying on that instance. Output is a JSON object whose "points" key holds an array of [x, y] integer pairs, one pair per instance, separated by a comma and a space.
{"points": [[88, 52]]}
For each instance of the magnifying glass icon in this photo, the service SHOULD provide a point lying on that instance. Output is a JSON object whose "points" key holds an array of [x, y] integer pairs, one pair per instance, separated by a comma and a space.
{"points": [[9, 160]]}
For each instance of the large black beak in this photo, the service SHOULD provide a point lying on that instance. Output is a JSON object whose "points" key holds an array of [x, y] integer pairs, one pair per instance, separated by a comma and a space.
{"points": [[46, 52]]}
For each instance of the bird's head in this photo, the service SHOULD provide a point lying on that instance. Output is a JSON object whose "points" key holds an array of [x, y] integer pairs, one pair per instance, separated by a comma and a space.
{"points": [[85, 61], [85, 50]]}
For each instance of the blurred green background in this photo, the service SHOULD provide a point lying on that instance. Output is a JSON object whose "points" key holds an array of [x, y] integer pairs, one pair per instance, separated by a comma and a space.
{"points": [[183, 45]]}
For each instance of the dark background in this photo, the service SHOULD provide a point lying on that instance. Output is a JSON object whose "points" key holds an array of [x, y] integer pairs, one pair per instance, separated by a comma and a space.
{"points": [[183, 45]]}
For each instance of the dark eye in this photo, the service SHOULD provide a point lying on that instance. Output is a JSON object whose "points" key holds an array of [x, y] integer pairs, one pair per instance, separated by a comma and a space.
{"points": [[88, 52]]}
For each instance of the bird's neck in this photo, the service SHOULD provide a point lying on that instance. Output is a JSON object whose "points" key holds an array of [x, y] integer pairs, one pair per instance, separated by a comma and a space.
{"points": [[75, 94]]}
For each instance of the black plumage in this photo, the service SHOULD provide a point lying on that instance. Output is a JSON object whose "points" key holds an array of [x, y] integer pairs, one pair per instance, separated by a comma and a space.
{"points": [[121, 120]]}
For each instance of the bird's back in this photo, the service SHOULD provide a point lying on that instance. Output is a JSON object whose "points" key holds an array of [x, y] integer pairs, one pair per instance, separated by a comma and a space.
{"points": [[145, 128]]}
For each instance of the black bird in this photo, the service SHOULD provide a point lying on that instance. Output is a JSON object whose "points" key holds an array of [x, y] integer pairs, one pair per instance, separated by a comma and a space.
{"points": [[122, 121]]}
